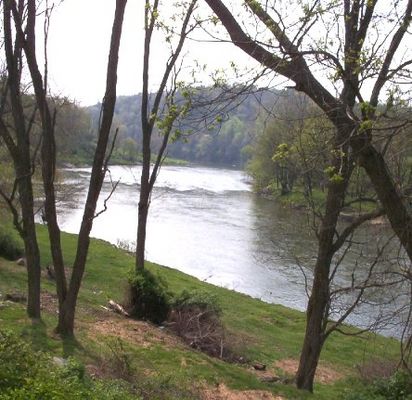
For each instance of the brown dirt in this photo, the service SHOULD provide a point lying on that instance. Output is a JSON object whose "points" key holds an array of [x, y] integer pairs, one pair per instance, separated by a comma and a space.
{"points": [[49, 302], [221, 392], [324, 374], [137, 332]]}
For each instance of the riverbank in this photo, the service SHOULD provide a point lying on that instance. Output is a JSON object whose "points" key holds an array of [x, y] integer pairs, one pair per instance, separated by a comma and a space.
{"points": [[262, 333], [84, 162]]}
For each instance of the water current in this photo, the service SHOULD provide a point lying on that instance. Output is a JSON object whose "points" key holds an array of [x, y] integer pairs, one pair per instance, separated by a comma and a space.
{"points": [[207, 222]]}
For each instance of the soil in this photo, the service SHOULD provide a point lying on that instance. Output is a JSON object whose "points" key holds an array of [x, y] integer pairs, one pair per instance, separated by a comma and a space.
{"points": [[324, 374], [49, 302], [222, 392], [137, 332]]}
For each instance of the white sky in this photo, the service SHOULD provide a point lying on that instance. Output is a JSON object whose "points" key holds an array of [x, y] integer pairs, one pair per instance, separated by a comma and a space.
{"points": [[79, 41]]}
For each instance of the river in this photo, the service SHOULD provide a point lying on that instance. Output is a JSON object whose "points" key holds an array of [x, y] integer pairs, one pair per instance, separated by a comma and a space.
{"points": [[208, 223]]}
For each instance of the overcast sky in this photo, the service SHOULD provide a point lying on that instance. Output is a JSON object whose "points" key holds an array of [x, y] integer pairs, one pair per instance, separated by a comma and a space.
{"points": [[78, 47]]}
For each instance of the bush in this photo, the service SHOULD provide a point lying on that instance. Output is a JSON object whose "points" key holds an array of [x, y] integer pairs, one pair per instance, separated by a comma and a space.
{"points": [[199, 300], [17, 361], [10, 247], [376, 368], [195, 317], [29, 375], [148, 297], [396, 387]]}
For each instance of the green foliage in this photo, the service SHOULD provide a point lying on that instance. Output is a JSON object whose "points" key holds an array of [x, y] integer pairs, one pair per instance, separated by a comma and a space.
{"points": [[11, 247], [16, 361], [365, 126], [396, 387], [199, 299], [75, 138], [218, 138], [292, 150], [148, 296], [29, 375], [333, 175]]}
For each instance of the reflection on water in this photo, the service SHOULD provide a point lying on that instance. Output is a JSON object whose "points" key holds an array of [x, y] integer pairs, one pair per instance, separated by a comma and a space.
{"points": [[208, 223]]}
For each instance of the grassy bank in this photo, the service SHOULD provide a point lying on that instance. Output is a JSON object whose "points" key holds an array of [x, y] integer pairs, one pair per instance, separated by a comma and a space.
{"points": [[106, 342], [116, 159]]}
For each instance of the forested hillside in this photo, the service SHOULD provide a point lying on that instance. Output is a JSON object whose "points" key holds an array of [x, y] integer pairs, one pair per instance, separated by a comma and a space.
{"points": [[217, 130]]}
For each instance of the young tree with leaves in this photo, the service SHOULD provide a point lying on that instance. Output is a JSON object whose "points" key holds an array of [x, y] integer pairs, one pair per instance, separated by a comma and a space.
{"points": [[159, 111]]}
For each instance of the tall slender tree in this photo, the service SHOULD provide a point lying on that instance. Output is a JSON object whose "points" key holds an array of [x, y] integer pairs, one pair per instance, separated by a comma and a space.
{"points": [[17, 135], [25, 26], [158, 109]]}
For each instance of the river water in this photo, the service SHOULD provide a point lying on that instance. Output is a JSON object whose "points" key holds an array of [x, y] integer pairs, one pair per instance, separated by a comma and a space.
{"points": [[208, 223]]}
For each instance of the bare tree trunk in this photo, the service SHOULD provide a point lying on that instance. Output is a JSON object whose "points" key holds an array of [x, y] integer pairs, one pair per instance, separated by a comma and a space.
{"points": [[48, 152], [317, 310], [30, 246], [20, 152], [67, 316], [141, 225]]}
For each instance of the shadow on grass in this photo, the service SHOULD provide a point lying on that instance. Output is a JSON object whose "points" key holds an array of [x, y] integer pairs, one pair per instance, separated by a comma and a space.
{"points": [[42, 340]]}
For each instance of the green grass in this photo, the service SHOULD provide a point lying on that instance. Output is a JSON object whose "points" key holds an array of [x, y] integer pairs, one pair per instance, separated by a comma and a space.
{"points": [[81, 160], [260, 331]]}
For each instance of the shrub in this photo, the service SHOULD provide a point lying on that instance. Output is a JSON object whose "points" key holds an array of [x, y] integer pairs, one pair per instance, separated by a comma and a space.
{"points": [[396, 387], [148, 297], [29, 375], [17, 361], [195, 317], [200, 300], [10, 246], [376, 368]]}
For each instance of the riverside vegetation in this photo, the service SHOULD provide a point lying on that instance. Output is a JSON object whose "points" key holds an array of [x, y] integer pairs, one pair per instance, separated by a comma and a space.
{"points": [[115, 357]]}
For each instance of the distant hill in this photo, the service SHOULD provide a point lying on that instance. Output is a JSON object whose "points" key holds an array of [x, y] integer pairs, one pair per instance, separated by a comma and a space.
{"points": [[217, 131]]}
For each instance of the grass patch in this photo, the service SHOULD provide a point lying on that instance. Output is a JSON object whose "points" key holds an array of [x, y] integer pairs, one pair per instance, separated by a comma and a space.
{"points": [[262, 332]]}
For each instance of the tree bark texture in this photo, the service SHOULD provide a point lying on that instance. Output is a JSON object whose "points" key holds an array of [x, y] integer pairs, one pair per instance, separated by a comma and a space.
{"points": [[20, 151], [48, 152], [67, 316]]}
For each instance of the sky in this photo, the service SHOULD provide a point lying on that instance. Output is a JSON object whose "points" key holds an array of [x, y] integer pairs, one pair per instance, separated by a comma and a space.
{"points": [[79, 43]]}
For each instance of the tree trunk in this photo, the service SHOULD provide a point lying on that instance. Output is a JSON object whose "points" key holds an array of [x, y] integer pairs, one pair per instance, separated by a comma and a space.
{"points": [[315, 315], [48, 152], [396, 208], [68, 308], [20, 152], [142, 225], [318, 306], [65, 325], [31, 247]]}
